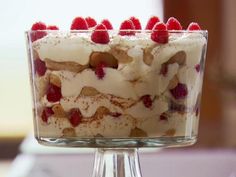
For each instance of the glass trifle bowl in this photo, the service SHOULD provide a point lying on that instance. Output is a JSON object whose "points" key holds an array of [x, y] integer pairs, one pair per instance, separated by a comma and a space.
{"points": [[128, 92]]}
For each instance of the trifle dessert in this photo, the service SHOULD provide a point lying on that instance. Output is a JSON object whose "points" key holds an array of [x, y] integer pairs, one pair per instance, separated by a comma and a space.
{"points": [[93, 82]]}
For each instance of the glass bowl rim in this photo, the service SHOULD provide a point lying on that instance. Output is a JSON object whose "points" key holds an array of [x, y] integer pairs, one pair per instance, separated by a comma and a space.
{"points": [[204, 32]]}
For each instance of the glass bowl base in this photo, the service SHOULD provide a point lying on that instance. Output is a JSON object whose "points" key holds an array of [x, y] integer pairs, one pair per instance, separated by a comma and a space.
{"points": [[177, 141]]}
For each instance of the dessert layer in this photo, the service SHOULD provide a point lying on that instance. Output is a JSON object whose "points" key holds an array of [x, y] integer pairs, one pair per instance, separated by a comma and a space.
{"points": [[77, 47]]}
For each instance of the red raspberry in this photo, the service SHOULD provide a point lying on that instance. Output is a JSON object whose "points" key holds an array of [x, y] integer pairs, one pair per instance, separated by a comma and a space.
{"points": [[79, 23], [151, 22], [75, 117], [100, 35], [53, 93], [164, 117], [193, 26], [38, 26], [52, 27], [107, 24], [91, 22], [198, 67], [159, 33], [173, 24], [40, 67], [125, 28], [147, 101], [164, 69], [35, 34], [180, 91], [99, 71], [47, 112], [136, 23]]}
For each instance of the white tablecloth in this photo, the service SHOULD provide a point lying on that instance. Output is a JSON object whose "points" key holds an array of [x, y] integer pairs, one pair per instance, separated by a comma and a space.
{"points": [[171, 163]]}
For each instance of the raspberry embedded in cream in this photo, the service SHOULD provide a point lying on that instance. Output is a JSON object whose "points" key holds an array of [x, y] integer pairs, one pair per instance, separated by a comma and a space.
{"points": [[113, 83]]}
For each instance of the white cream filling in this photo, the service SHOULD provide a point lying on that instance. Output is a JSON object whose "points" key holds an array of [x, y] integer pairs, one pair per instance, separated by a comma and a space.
{"points": [[193, 81], [108, 127], [140, 111], [78, 47], [113, 127], [67, 48], [191, 44], [89, 105], [112, 83], [184, 125]]}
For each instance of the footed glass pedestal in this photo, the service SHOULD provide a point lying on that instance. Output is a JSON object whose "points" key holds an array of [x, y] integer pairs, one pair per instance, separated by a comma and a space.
{"points": [[116, 162]]}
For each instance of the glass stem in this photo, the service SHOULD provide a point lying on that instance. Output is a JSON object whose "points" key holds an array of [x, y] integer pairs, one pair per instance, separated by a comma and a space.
{"points": [[116, 163]]}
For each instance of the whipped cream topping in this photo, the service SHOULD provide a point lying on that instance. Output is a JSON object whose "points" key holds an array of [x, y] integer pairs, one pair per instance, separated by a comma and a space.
{"points": [[67, 48], [141, 39], [192, 44], [77, 48]]}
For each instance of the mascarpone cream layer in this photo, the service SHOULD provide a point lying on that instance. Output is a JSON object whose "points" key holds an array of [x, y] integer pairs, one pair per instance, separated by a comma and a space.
{"points": [[122, 126], [74, 47], [89, 105]]}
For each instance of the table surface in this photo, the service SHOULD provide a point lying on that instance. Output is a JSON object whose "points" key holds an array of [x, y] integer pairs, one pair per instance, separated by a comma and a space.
{"points": [[168, 163]]}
